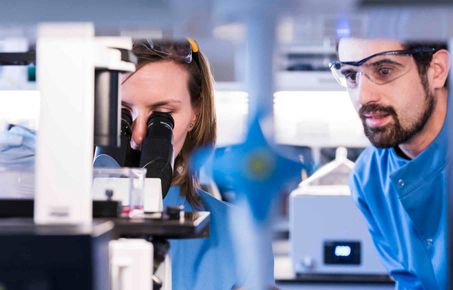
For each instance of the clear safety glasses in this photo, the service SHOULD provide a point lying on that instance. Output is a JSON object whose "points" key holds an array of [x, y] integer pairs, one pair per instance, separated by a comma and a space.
{"points": [[380, 68], [180, 50]]}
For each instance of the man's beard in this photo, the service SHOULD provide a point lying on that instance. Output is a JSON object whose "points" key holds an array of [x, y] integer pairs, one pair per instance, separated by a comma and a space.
{"points": [[394, 134]]}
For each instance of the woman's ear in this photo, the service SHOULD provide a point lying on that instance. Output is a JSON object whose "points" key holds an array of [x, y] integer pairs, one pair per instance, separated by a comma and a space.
{"points": [[440, 67], [194, 119]]}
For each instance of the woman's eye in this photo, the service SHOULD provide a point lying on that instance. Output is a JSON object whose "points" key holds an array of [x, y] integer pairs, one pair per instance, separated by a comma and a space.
{"points": [[170, 111], [126, 106]]}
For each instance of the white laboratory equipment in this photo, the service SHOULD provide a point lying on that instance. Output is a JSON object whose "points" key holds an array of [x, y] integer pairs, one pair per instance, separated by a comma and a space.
{"points": [[328, 234], [74, 68], [67, 57], [131, 262]]}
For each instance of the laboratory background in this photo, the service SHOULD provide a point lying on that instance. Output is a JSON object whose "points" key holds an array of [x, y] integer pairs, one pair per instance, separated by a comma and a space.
{"points": [[287, 140]]}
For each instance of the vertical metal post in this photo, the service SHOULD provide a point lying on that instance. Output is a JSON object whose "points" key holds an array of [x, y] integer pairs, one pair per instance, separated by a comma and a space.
{"points": [[260, 48], [260, 83]]}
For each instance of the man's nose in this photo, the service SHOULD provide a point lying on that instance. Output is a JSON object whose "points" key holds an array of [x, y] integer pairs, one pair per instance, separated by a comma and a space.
{"points": [[367, 91], [139, 130]]}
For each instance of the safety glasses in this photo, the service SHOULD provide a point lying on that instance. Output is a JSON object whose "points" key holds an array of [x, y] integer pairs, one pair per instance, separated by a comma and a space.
{"points": [[380, 68], [179, 50]]}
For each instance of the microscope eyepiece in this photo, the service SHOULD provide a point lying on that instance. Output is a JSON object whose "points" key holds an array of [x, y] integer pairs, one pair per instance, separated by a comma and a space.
{"points": [[165, 119], [157, 149], [156, 153]]}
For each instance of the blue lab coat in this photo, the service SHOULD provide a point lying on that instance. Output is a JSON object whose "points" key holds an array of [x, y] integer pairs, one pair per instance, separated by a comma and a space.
{"points": [[208, 263], [404, 202]]}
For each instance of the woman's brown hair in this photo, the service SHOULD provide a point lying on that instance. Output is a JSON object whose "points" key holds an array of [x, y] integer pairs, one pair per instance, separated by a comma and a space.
{"points": [[203, 134]]}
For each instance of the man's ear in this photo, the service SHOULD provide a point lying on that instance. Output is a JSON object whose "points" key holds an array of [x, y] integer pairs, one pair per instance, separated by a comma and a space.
{"points": [[439, 69]]}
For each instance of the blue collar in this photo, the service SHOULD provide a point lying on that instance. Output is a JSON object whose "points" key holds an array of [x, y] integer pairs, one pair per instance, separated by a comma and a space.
{"points": [[420, 186], [431, 160]]}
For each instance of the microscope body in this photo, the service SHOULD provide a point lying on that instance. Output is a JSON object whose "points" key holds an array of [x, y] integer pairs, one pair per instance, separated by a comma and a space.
{"points": [[80, 108], [68, 56]]}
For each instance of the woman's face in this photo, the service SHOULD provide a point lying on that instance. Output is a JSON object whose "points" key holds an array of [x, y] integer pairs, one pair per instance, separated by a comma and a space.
{"points": [[159, 86]]}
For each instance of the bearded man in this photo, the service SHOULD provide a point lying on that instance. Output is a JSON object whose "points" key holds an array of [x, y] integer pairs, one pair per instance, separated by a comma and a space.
{"points": [[399, 183]]}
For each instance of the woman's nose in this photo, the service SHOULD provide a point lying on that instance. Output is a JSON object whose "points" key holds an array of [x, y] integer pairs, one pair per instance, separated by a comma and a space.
{"points": [[139, 129]]}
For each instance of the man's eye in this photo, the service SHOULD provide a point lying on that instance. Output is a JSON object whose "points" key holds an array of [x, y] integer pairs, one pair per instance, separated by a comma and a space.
{"points": [[349, 74], [385, 71], [351, 77]]}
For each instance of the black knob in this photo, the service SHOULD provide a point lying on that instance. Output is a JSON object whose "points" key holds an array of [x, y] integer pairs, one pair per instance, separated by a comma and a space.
{"points": [[109, 194], [157, 283], [174, 212]]}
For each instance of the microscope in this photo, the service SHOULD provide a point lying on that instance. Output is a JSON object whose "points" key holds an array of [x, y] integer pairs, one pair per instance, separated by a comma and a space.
{"points": [[156, 156], [53, 241]]}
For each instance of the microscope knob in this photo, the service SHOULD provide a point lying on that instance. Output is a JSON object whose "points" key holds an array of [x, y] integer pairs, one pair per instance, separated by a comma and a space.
{"points": [[109, 194], [161, 247], [174, 212], [157, 283], [308, 263]]}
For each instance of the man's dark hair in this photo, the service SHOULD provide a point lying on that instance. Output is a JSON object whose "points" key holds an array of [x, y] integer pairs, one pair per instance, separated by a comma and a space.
{"points": [[423, 60]]}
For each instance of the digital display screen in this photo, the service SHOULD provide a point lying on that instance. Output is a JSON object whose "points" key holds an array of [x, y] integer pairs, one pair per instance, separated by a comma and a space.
{"points": [[342, 253]]}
